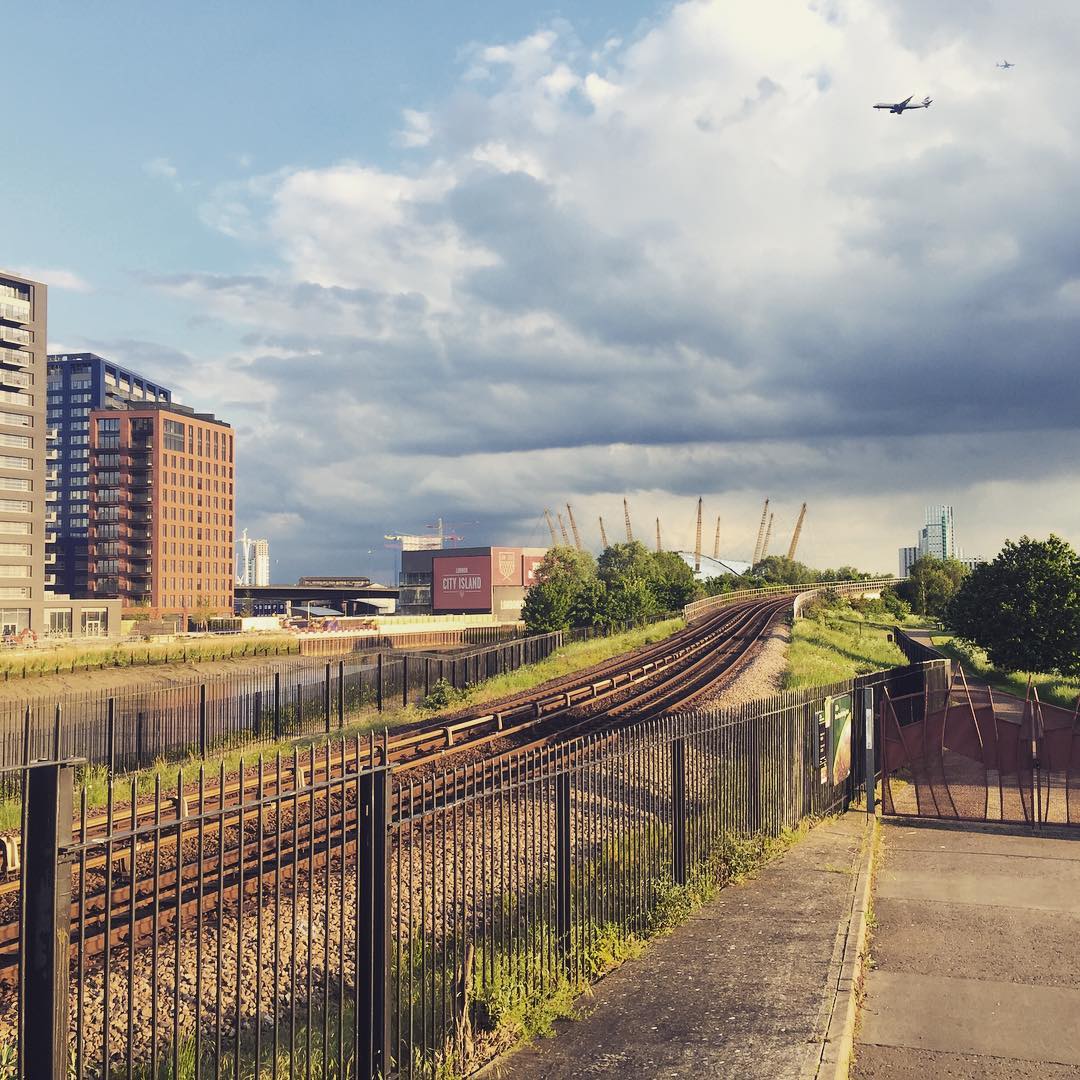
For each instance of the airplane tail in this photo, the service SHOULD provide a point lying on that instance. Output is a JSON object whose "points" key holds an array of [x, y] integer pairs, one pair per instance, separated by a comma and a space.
{"points": [[927, 102]]}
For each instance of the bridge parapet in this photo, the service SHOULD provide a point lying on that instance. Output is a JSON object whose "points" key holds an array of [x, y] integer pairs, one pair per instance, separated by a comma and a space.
{"points": [[871, 587]]}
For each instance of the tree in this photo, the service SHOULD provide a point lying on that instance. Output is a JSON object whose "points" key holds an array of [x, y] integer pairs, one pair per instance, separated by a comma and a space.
{"points": [[560, 584], [673, 583], [931, 584], [780, 570], [628, 574], [1024, 607]]}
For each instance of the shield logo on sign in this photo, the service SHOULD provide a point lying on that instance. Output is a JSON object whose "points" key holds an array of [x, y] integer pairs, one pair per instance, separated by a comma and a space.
{"points": [[506, 564]]}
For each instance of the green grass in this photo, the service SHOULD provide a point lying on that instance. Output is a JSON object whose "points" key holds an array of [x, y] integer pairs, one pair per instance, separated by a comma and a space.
{"points": [[837, 648], [1053, 689], [71, 659], [564, 661]]}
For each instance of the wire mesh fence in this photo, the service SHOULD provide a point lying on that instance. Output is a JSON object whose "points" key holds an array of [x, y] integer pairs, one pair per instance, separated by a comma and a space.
{"points": [[317, 914]]}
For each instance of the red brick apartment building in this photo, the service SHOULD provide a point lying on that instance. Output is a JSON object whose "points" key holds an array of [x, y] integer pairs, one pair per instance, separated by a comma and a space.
{"points": [[161, 508]]}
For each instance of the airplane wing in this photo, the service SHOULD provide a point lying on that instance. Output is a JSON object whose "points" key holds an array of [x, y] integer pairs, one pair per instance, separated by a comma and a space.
{"points": [[906, 100]]}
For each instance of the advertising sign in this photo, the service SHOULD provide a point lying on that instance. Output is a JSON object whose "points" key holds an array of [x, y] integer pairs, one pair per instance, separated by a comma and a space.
{"points": [[505, 566], [529, 563], [823, 744], [461, 583], [839, 710]]}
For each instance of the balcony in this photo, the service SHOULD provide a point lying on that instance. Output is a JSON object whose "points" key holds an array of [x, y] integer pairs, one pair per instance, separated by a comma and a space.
{"points": [[52, 433], [52, 475], [50, 558], [51, 495], [50, 516], [52, 454], [50, 536], [50, 579]]}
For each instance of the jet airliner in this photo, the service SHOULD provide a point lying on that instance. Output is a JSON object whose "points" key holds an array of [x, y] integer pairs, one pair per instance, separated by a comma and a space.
{"points": [[903, 106]]}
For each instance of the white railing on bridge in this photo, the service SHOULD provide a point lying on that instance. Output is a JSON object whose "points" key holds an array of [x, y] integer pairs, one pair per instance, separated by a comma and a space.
{"points": [[700, 608]]}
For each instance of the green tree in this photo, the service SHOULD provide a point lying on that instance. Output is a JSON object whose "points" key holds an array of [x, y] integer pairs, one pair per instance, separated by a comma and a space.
{"points": [[1024, 607], [931, 584], [780, 570], [673, 583], [561, 583], [628, 574]]}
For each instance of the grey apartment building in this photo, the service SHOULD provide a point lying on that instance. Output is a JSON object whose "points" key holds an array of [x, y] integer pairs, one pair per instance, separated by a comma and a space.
{"points": [[24, 513]]}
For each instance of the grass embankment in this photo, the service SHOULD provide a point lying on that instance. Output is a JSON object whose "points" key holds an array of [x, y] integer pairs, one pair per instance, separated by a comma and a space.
{"points": [[68, 661], [837, 646], [1053, 689], [565, 661]]}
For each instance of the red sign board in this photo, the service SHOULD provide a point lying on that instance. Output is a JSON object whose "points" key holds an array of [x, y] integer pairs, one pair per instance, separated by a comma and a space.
{"points": [[529, 563], [461, 583], [506, 566]]}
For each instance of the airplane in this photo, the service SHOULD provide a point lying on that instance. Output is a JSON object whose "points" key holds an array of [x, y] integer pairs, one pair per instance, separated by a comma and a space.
{"points": [[1005, 65], [903, 106]]}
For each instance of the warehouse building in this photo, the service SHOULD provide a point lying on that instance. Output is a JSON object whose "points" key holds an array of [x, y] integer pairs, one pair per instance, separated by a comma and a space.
{"points": [[468, 580]]}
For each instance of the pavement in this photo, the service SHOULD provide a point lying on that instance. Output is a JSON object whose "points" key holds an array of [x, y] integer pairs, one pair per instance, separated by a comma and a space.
{"points": [[975, 956], [746, 988]]}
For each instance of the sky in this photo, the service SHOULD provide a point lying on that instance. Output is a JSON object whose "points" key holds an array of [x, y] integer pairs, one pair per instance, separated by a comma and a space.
{"points": [[470, 261]]}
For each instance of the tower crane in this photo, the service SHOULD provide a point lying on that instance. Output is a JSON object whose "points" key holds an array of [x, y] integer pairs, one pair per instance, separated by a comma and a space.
{"points": [[603, 535], [716, 542], [768, 537], [658, 546], [697, 540], [795, 534], [760, 535], [562, 529], [626, 514], [551, 527], [573, 527]]}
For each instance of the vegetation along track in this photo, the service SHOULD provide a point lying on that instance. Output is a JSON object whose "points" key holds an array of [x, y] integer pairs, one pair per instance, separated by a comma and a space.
{"points": [[199, 846]]}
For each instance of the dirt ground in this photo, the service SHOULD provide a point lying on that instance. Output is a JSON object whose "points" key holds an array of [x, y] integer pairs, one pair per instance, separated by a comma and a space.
{"points": [[763, 676]]}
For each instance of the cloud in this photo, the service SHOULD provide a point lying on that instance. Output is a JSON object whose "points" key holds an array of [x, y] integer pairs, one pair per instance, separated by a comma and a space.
{"points": [[57, 279], [161, 167], [693, 260]]}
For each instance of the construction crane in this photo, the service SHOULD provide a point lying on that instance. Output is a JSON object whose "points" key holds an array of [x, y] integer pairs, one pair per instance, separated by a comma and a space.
{"points": [[716, 542], [603, 535], [626, 514], [697, 541], [760, 535], [573, 527], [795, 534], [658, 546], [551, 528], [562, 529], [768, 537]]}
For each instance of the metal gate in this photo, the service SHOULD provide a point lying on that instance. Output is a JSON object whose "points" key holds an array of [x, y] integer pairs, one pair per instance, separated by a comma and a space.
{"points": [[967, 753]]}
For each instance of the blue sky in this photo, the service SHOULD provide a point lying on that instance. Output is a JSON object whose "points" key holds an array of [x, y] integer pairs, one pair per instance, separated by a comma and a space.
{"points": [[476, 259]]}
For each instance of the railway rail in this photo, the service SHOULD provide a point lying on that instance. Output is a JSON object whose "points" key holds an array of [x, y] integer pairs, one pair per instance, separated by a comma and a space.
{"points": [[152, 865]]}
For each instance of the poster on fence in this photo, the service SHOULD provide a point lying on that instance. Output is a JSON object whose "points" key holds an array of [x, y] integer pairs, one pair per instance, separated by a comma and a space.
{"points": [[838, 710], [821, 719]]}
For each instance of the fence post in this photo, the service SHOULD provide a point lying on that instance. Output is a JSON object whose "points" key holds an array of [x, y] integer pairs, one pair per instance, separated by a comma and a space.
{"points": [[277, 706], [326, 698], [57, 720], [202, 720], [340, 694], [404, 681], [373, 925], [110, 736], [678, 811], [139, 740], [562, 868], [47, 881], [378, 683], [871, 765]]}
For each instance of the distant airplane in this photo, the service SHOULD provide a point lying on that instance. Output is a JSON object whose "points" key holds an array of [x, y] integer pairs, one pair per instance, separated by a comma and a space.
{"points": [[1004, 65], [902, 106]]}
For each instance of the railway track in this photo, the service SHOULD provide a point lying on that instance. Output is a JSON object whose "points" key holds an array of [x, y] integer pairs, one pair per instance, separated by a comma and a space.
{"points": [[145, 868]]}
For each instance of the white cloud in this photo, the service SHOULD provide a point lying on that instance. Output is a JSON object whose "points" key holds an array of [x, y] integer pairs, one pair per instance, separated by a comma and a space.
{"points": [[696, 260], [57, 279], [160, 167]]}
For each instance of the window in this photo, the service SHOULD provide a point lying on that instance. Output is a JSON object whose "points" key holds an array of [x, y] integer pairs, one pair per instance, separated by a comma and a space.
{"points": [[95, 622], [173, 438], [10, 397], [59, 622], [15, 506], [16, 440], [16, 419], [15, 483], [10, 570], [15, 528], [7, 461], [15, 549], [109, 424]]}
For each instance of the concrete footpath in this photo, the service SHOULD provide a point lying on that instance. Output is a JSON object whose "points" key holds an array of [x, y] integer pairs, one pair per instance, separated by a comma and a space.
{"points": [[975, 956], [744, 989]]}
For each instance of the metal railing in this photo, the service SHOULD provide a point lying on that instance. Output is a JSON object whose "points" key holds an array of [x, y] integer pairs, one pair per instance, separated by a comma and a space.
{"points": [[700, 608], [340, 922]]}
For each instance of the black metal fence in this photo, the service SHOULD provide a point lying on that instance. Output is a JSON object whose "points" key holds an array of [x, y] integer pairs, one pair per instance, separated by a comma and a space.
{"points": [[336, 921], [140, 727]]}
